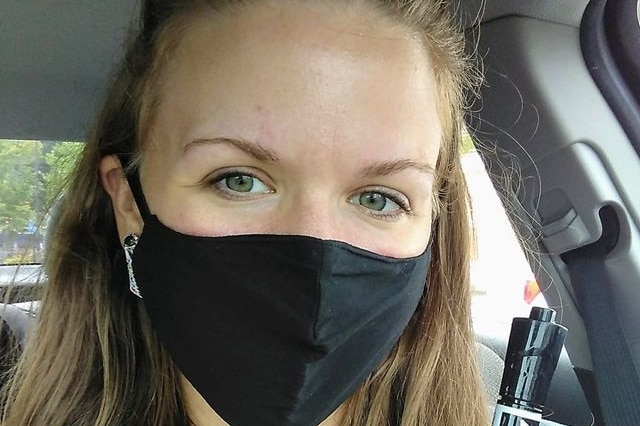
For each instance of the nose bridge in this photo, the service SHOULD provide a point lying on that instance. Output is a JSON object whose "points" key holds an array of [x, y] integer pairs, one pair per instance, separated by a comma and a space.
{"points": [[310, 214]]}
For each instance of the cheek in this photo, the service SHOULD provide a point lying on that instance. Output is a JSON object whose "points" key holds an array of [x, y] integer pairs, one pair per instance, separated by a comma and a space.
{"points": [[163, 195], [416, 242], [402, 242]]}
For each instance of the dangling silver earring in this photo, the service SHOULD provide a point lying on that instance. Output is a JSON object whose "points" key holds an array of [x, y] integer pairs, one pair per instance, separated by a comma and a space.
{"points": [[130, 243]]}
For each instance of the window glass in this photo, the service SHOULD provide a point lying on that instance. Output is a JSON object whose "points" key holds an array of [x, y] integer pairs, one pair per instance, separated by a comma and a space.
{"points": [[32, 174], [502, 282]]}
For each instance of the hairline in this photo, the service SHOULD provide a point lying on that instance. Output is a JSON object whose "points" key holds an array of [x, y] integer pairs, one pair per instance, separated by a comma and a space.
{"points": [[172, 36]]}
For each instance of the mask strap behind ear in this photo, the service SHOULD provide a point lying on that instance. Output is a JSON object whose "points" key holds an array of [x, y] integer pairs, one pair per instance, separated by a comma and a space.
{"points": [[133, 178]]}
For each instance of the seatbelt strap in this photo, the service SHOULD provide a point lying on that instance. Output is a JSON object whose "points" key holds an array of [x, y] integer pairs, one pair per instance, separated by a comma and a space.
{"points": [[615, 375]]}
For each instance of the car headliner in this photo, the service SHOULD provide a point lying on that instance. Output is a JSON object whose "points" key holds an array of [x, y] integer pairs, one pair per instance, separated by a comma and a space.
{"points": [[56, 57]]}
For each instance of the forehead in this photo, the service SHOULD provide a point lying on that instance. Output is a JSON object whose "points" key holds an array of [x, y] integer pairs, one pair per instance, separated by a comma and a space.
{"points": [[300, 72]]}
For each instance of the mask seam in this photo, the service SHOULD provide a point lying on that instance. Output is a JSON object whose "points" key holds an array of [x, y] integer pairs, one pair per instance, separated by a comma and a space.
{"points": [[319, 279]]}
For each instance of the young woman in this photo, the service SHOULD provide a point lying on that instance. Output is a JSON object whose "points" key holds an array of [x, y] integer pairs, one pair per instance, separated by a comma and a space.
{"points": [[269, 226]]}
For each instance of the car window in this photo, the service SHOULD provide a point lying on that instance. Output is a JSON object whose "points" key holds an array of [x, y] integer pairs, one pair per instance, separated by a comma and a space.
{"points": [[32, 174], [503, 285]]}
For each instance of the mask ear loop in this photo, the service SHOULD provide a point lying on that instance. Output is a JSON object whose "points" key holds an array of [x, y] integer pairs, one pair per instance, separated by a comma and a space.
{"points": [[133, 179]]}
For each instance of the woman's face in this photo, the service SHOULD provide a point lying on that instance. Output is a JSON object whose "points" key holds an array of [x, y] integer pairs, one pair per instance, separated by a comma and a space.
{"points": [[296, 119]]}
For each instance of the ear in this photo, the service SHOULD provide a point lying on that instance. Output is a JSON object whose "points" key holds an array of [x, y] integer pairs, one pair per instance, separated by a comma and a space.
{"points": [[127, 215]]}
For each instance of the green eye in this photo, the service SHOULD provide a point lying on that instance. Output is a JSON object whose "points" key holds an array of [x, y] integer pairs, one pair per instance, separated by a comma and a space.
{"points": [[380, 203], [373, 201], [239, 183]]}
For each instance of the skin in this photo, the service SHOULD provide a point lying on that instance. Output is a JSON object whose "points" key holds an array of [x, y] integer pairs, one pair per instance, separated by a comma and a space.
{"points": [[331, 110]]}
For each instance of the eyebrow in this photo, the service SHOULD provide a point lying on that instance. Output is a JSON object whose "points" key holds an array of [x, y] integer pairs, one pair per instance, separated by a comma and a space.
{"points": [[254, 149], [263, 154], [386, 168]]}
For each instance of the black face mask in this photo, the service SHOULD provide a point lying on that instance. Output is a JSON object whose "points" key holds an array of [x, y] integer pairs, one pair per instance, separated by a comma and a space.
{"points": [[273, 330]]}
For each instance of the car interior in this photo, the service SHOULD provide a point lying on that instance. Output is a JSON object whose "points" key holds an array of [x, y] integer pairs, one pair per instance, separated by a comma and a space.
{"points": [[556, 122]]}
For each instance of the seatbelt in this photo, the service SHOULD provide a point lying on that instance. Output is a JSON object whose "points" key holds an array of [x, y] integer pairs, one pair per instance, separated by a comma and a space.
{"points": [[615, 375]]}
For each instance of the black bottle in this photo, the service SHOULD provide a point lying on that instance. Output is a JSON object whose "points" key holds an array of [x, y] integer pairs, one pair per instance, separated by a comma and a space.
{"points": [[532, 355]]}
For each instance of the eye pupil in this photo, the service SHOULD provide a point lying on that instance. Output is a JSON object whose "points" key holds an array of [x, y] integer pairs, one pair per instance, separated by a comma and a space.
{"points": [[240, 183], [373, 201]]}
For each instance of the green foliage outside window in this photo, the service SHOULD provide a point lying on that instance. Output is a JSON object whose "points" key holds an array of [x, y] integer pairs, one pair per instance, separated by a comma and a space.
{"points": [[32, 174], [467, 144]]}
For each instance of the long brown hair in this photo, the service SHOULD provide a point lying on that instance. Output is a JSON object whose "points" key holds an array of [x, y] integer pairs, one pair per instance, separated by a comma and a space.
{"points": [[93, 357]]}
